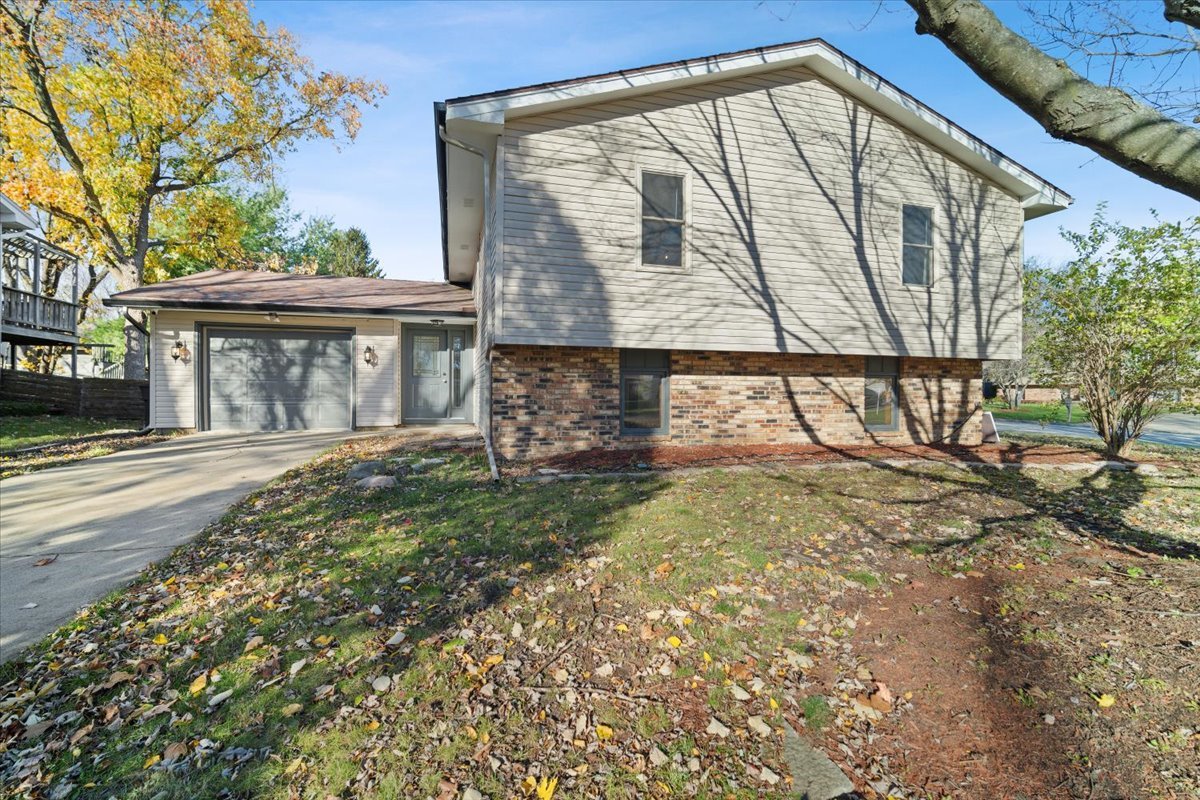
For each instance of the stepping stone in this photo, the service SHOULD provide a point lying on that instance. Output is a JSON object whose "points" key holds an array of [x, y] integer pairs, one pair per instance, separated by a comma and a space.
{"points": [[376, 482], [814, 776]]}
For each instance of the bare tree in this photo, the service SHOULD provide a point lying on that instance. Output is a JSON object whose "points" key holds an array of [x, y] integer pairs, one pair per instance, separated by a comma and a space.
{"points": [[1144, 136]]}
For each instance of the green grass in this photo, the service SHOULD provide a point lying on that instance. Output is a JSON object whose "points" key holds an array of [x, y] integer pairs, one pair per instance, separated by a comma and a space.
{"points": [[1038, 412], [326, 574], [18, 432]]}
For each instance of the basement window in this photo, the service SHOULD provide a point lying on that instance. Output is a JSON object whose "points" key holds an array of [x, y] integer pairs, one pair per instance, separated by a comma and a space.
{"points": [[881, 403], [645, 387]]}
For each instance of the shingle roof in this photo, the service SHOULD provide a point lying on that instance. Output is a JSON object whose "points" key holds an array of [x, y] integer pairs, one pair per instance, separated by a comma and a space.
{"points": [[230, 290]]}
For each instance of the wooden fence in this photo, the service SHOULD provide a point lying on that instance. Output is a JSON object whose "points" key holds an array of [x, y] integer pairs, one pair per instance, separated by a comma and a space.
{"points": [[102, 398]]}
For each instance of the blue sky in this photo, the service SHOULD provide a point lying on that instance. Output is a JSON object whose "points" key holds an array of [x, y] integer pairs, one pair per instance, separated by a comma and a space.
{"points": [[386, 181]]}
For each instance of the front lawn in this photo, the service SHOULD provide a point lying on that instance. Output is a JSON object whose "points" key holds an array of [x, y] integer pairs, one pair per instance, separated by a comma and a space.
{"points": [[939, 632], [1038, 412], [17, 432]]}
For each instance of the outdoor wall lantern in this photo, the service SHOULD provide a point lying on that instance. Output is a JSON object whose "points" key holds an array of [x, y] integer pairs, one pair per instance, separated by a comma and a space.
{"points": [[179, 350], [369, 355]]}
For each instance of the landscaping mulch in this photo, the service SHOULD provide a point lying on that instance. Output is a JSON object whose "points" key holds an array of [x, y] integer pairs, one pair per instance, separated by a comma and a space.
{"points": [[661, 457]]}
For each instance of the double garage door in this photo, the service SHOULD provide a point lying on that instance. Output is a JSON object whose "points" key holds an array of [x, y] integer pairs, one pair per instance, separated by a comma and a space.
{"points": [[272, 379]]}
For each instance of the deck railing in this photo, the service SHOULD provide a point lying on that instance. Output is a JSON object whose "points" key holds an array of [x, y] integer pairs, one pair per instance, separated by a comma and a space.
{"points": [[37, 313]]}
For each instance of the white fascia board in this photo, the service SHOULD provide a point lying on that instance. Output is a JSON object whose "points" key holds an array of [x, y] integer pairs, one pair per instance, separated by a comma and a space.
{"points": [[1038, 197]]}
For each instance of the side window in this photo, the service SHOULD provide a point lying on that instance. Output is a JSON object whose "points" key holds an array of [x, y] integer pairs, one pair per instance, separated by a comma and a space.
{"points": [[662, 219], [881, 403], [645, 384], [916, 226]]}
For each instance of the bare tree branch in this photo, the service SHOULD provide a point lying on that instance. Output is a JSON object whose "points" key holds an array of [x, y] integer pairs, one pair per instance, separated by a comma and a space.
{"points": [[1104, 119]]}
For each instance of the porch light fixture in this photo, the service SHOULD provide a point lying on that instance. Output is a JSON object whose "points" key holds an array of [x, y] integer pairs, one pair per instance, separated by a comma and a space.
{"points": [[272, 316], [179, 350], [369, 354]]}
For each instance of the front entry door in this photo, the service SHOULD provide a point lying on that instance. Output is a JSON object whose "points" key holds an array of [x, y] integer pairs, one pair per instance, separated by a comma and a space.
{"points": [[428, 375]]}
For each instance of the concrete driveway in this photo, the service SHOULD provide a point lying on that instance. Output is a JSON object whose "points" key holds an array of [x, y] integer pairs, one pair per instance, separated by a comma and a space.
{"points": [[1180, 430], [105, 519]]}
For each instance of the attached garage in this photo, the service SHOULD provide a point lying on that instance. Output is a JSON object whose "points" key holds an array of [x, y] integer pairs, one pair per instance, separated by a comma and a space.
{"points": [[269, 379], [261, 351]]}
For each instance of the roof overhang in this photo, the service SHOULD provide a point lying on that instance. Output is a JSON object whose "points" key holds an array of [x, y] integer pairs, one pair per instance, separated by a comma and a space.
{"points": [[13, 217], [479, 119], [286, 308]]}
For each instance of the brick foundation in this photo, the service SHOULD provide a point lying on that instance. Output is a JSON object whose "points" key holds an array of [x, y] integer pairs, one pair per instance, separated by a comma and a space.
{"points": [[551, 400]]}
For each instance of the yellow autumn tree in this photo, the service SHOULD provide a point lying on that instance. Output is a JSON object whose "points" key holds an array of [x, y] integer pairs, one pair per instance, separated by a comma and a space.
{"points": [[118, 118]]}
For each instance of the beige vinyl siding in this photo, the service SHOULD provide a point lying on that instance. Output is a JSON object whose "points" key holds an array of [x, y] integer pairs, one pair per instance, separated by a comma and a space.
{"points": [[173, 397], [794, 238], [486, 290]]}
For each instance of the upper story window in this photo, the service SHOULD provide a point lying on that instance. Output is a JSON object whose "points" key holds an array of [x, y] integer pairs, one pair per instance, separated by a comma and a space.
{"points": [[917, 229], [663, 219]]}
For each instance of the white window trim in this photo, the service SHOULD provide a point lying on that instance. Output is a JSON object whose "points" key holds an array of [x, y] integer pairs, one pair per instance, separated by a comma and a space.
{"points": [[933, 230], [686, 266]]}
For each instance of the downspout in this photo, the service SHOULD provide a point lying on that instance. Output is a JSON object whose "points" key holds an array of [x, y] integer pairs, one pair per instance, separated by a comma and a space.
{"points": [[487, 207]]}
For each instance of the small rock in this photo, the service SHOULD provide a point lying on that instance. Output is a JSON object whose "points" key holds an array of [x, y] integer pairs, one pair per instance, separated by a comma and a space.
{"points": [[766, 776], [405, 580], [1146, 469], [381, 684], [396, 639], [217, 699], [1049, 719], [376, 482], [693, 765], [815, 776], [715, 728], [518, 630], [605, 670], [471, 794], [658, 757], [366, 469]]}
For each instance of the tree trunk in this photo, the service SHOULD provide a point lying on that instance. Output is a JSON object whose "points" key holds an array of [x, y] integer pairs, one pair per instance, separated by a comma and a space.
{"points": [[135, 350], [1106, 120]]}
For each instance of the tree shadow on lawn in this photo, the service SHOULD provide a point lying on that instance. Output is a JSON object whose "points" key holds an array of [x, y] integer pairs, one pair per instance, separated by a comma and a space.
{"points": [[308, 557], [1093, 504]]}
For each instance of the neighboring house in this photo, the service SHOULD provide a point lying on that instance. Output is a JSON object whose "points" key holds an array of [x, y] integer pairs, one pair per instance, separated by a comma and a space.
{"points": [[771, 246], [37, 279]]}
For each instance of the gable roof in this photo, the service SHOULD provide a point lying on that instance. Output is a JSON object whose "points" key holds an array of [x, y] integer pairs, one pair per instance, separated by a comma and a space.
{"points": [[477, 119], [233, 290]]}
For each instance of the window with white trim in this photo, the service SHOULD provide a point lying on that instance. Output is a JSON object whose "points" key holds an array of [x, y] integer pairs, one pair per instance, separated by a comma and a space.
{"points": [[916, 226], [663, 220]]}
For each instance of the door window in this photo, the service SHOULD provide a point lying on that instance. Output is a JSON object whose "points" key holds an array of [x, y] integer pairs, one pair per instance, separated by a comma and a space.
{"points": [[457, 342], [426, 350]]}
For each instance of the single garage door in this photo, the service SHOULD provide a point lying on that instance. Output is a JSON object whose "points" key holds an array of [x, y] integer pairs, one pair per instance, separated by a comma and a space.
{"points": [[267, 380]]}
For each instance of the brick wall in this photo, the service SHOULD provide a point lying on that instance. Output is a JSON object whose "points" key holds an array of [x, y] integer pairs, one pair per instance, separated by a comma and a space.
{"points": [[551, 400]]}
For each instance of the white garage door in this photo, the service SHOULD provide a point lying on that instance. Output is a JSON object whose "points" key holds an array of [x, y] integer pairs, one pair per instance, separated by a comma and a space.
{"points": [[270, 379]]}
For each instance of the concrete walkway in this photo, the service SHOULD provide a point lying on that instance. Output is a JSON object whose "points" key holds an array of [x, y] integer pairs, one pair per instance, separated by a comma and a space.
{"points": [[105, 519], [1180, 430]]}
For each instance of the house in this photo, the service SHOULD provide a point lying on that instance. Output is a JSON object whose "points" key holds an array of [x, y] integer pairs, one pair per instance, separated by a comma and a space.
{"points": [[37, 279], [768, 246]]}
